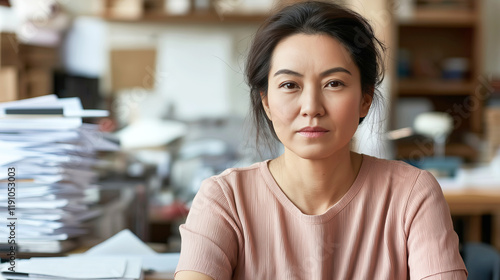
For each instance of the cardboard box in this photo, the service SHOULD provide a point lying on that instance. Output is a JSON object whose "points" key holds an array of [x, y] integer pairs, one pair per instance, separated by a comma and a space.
{"points": [[38, 56], [9, 49], [39, 81], [133, 68], [8, 84]]}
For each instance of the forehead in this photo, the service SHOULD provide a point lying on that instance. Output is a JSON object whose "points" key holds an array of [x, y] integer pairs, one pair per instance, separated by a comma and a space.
{"points": [[305, 51]]}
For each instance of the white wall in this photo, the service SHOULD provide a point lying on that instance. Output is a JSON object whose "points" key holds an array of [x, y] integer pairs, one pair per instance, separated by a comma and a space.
{"points": [[199, 68]]}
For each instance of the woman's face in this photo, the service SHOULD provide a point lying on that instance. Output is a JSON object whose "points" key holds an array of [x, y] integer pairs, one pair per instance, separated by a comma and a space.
{"points": [[314, 96]]}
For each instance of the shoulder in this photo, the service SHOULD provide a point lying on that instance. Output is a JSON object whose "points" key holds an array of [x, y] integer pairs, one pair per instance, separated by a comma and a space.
{"points": [[237, 175], [394, 170], [232, 180], [391, 166], [236, 172], [400, 177]]}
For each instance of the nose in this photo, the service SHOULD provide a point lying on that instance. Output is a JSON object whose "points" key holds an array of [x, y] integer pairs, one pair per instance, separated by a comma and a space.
{"points": [[312, 103]]}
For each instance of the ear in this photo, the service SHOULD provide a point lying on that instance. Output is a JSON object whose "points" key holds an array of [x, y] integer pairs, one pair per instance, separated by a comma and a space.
{"points": [[265, 104], [366, 102]]}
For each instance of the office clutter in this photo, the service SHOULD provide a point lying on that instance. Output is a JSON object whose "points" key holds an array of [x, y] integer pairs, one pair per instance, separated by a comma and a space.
{"points": [[25, 70], [30, 41], [122, 256], [50, 155], [150, 133], [126, 244], [68, 268]]}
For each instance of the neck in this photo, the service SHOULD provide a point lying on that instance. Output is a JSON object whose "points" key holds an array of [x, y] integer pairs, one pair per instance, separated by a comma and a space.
{"points": [[315, 185]]}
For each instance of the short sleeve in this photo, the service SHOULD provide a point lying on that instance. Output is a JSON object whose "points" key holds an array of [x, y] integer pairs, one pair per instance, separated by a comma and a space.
{"points": [[210, 235], [432, 243]]}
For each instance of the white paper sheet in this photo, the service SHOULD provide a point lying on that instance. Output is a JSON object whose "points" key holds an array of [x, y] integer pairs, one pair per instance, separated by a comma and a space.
{"points": [[124, 242], [74, 268], [150, 133]]}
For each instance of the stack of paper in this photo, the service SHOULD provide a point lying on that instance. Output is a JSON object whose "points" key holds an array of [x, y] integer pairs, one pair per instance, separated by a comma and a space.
{"points": [[46, 172], [122, 256], [81, 268]]}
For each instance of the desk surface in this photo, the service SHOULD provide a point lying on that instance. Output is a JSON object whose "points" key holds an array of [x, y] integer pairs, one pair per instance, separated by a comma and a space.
{"points": [[159, 276], [473, 201]]}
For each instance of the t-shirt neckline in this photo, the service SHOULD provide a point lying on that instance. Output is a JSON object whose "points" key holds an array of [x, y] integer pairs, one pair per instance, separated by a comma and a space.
{"points": [[333, 210]]}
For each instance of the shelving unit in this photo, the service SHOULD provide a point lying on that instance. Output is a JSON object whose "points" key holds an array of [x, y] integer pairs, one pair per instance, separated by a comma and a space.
{"points": [[195, 18], [436, 32], [153, 11]]}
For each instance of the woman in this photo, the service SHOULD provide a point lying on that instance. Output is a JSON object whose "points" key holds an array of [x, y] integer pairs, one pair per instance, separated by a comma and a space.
{"points": [[318, 211]]}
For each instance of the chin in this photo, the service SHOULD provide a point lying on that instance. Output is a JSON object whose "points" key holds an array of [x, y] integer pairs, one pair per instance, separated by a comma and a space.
{"points": [[318, 151], [313, 153]]}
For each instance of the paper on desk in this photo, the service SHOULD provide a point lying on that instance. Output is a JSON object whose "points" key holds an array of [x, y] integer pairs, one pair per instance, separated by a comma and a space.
{"points": [[40, 124], [96, 267], [42, 101], [71, 106], [165, 262], [6, 159], [125, 243], [148, 133], [40, 136], [97, 139]]}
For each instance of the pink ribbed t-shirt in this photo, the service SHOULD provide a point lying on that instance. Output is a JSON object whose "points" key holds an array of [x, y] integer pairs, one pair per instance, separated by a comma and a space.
{"points": [[393, 223]]}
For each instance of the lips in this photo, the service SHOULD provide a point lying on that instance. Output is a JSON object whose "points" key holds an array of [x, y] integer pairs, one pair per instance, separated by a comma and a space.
{"points": [[312, 132]]}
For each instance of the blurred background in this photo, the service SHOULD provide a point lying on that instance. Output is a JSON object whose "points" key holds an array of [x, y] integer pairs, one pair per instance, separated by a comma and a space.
{"points": [[170, 72]]}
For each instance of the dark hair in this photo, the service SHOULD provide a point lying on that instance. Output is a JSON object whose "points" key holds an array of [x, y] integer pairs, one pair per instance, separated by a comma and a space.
{"points": [[312, 17]]}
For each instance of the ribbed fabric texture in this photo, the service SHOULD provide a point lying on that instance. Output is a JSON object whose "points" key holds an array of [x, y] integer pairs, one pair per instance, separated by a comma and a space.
{"points": [[393, 223]]}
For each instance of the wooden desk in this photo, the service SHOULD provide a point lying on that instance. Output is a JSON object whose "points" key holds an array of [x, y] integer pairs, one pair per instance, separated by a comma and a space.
{"points": [[159, 276], [474, 203]]}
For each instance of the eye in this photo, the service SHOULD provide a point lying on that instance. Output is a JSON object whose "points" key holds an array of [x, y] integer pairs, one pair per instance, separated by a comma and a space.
{"points": [[335, 84], [288, 85]]}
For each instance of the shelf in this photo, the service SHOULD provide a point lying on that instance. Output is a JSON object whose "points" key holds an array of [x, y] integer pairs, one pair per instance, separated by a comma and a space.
{"points": [[435, 87], [440, 17], [205, 18]]}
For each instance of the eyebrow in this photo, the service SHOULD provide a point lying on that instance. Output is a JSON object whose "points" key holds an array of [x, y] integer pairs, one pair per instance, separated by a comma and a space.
{"points": [[324, 73]]}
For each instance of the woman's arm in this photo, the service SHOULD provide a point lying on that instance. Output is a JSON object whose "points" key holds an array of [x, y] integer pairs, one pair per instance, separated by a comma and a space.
{"points": [[451, 275], [191, 275], [432, 243], [210, 236]]}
